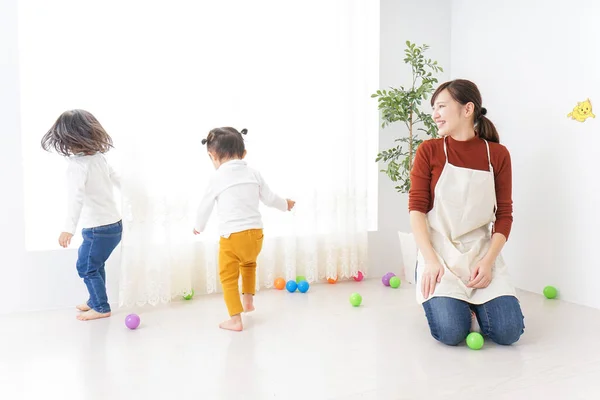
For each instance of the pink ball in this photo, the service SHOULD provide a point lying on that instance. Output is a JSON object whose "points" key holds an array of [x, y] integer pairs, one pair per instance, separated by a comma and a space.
{"points": [[132, 321], [386, 278], [359, 277]]}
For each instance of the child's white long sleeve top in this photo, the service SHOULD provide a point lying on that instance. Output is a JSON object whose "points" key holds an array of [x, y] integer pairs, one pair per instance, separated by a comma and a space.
{"points": [[90, 196], [237, 189]]}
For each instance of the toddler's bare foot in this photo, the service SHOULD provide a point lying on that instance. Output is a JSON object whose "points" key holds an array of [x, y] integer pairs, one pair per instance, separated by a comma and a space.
{"points": [[91, 314], [474, 324], [248, 302], [233, 324], [83, 307]]}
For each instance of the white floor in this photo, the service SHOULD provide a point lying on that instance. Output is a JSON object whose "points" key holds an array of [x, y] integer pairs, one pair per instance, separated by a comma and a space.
{"points": [[296, 346]]}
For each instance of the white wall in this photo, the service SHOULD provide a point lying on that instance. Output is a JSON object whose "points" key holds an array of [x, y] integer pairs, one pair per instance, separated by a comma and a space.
{"points": [[422, 23], [533, 61]]}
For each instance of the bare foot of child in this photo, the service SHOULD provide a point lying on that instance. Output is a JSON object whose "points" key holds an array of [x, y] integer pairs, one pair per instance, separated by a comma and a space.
{"points": [[233, 324], [248, 302], [474, 324], [91, 314], [83, 307]]}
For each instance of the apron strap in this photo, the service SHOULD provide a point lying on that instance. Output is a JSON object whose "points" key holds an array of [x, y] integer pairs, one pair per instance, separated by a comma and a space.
{"points": [[492, 171], [488, 154], [445, 152]]}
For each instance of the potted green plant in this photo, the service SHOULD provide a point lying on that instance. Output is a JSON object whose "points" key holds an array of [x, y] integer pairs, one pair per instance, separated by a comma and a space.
{"points": [[404, 105]]}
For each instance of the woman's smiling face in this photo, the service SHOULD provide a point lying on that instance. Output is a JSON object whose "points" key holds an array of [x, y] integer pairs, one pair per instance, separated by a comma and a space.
{"points": [[449, 115]]}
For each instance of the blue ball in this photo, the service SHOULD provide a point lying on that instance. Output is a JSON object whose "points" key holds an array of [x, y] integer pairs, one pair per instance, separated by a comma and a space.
{"points": [[303, 286], [291, 286]]}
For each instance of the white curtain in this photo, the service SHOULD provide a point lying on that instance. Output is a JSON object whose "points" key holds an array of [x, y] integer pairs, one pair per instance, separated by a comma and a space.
{"points": [[159, 76]]}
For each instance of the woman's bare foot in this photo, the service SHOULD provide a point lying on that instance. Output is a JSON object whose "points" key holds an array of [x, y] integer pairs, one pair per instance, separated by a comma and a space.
{"points": [[233, 324], [248, 302], [83, 307], [91, 314]]}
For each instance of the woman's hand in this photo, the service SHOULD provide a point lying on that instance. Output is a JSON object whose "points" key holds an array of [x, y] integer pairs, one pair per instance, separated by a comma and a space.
{"points": [[481, 276], [432, 274]]}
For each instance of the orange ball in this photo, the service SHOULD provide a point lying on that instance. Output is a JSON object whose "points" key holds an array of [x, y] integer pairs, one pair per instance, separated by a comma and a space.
{"points": [[332, 280], [279, 283]]}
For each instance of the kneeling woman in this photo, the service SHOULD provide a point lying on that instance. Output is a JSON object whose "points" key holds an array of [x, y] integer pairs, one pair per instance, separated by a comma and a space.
{"points": [[460, 206]]}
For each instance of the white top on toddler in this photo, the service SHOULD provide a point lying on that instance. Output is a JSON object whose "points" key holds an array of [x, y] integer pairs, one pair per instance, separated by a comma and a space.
{"points": [[237, 189], [90, 181]]}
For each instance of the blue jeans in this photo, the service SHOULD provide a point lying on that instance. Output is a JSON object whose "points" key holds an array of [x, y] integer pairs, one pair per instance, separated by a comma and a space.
{"points": [[98, 244], [500, 319]]}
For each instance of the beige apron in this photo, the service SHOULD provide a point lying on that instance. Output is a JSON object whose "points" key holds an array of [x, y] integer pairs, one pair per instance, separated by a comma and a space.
{"points": [[460, 223]]}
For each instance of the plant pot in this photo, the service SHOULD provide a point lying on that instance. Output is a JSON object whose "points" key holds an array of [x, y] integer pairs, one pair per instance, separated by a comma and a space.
{"points": [[408, 247]]}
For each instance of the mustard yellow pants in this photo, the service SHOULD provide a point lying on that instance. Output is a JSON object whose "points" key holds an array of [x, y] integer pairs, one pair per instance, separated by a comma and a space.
{"points": [[238, 253]]}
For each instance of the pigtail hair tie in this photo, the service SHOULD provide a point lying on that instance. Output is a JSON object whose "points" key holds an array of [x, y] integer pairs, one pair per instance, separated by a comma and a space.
{"points": [[244, 131], [204, 141]]}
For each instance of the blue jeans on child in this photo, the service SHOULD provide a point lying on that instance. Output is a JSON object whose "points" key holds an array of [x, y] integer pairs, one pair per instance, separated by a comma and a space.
{"points": [[98, 244], [500, 319]]}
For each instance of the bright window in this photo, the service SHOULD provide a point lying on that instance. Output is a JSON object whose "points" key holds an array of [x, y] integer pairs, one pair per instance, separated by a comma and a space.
{"points": [[158, 76]]}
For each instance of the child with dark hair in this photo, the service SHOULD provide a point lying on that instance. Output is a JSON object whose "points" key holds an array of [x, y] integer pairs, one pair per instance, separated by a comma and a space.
{"points": [[237, 189], [78, 135]]}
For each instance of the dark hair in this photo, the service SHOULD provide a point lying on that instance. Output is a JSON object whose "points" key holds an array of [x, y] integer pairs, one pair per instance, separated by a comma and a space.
{"points": [[464, 91], [226, 143], [77, 131]]}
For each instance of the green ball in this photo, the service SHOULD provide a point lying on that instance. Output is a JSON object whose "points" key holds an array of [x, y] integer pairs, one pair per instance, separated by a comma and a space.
{"points": [[300, 278], [355, 299], [394, 282], [550, 292], [475, 340], [188, 295]]}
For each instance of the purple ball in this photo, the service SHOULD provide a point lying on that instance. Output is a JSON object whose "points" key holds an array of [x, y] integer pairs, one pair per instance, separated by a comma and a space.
{"points": [[386, 278], [132, 321]]}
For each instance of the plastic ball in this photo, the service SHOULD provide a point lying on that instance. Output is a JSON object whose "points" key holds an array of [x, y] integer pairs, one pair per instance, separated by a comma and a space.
{"points": [[188, 295], [300, 278], [355, 299], [475, 340], [332, 280], [359, 277], [394, 282], [291, 286], [386, 278], [279, 283], [132, 321], [303, 286], [550, 292]]}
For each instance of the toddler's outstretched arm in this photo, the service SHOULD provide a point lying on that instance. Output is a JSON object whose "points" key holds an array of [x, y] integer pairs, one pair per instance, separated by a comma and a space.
{"points": [[271, 199]]}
